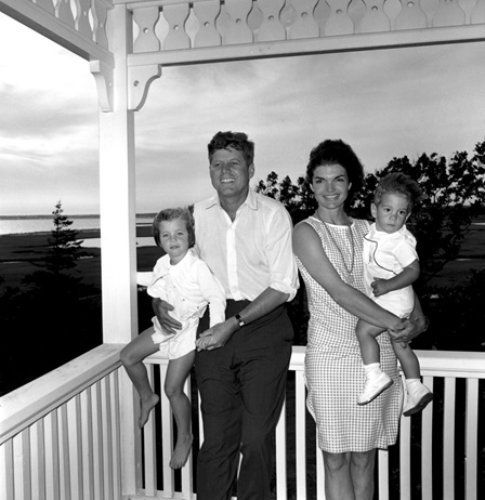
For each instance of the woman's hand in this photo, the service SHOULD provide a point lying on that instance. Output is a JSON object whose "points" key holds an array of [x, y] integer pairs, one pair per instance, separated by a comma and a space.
{"points": [[413, 327], [167, 322]]}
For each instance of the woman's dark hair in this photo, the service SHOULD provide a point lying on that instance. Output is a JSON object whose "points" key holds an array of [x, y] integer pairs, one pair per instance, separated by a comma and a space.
{"points": [[397, 182], [171, 214], [338, 152], [235, 140]]}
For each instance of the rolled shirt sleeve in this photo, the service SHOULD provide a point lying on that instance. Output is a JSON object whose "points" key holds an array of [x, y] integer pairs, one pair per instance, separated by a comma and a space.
{"points": [[213, 292]]}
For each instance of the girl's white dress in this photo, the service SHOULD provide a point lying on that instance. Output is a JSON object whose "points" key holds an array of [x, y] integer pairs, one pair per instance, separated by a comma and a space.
{"points": [[333, 363]]}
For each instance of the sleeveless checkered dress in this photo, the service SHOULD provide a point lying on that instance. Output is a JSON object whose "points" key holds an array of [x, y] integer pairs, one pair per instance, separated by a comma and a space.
{"points": [[333, 365]]}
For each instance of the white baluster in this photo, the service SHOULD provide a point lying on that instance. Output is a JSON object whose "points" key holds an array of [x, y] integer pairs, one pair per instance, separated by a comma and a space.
{"points": [[206, 13], [82, 19], [449, 13], [322, 14], [339, 21], [478, 13], [64, 12], [176, 16], [146, 19], [411, 16], [305, 25], [100, 12], [237, 29], [271, 27], [47, 5], [374, 20]]}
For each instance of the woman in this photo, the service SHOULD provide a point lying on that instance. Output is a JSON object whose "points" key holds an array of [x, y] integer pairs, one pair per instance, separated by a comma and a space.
{"points": [[328, 246]]}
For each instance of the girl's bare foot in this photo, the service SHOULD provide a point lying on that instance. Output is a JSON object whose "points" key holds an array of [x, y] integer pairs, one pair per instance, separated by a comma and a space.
{"points": [[146, 406], [181, 452]]}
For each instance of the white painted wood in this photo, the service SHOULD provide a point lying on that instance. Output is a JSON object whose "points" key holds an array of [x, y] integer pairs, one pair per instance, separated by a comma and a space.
{"points": [[320, 472], [64, 465], [87, 442], [329, 44], [98, 462], [300, 436], [206, 13], [427, 446], [29, 403], [405, 458], [37, 460], [305, 25], [6, 470], [411, 16], [47, 5], [149, 440], [271, 27], [82, 19], [64, 12], [21, 465], [45, 23], [281, 477], [140, 79], [449, 13], [146, 19], [167, 430], [375, 19], [449, 440], [471, 433], [478, 12], [201, 421], [118, 231], [383, 474], [107, 445], [177, 38], [100, 16], [51, 456], [187, 470], [115, 433], [339, 22], [237, 30]]}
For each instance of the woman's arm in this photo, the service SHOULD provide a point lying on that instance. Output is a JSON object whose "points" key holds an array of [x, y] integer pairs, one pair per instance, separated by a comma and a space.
{"points": [[308, 248]]}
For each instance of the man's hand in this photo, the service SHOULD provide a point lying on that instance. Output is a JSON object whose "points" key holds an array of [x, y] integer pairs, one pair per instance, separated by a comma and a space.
{"points": [[167, 322], [379, 287], [216, 336]]}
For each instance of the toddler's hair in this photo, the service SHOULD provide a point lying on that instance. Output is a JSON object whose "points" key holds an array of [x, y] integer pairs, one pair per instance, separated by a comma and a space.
{"points": [[397, 182], [171, 214]]}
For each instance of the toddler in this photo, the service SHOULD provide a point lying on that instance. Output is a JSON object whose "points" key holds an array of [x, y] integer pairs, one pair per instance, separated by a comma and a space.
{"points": [[391, 265], [183, 280]]}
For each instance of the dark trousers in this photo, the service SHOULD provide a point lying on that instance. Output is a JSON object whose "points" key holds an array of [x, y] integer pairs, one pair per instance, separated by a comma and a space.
{"points": [[242, 387]]}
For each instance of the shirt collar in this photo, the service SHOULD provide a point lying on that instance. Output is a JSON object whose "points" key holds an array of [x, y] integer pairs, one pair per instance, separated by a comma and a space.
{"points": [[377, 235], [251, 201]]}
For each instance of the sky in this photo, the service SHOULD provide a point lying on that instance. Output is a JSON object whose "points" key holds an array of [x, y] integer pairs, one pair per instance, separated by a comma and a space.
{"points": [[385, 104]]}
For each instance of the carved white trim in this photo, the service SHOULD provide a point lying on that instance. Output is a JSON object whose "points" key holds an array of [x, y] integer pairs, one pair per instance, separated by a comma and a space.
{"points": [[139, 80], [103, 76]]}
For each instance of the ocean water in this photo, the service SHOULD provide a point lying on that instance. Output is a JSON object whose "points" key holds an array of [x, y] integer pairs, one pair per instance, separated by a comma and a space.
{"points": [[24, 225]]}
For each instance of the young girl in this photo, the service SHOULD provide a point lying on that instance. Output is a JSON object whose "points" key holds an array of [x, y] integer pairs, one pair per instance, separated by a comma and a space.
{"points": [[184, 281], [391, 265]]}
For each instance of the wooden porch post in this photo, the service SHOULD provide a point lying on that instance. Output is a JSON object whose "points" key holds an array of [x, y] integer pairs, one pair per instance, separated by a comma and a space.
{"points": [[118, 231]]}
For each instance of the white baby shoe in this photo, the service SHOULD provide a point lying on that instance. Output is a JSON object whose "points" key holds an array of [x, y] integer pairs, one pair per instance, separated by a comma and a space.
{"points": [[373, 387], [417, 399]]}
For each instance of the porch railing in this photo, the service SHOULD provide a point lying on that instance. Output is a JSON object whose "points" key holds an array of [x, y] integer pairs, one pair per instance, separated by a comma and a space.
{"points": [[60, 436]]}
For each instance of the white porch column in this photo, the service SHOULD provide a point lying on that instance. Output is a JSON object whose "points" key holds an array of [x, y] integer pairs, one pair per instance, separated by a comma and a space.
{"points": [[118, 235]]}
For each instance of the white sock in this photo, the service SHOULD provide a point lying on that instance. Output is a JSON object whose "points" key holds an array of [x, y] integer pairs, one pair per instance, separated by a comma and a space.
{"points": [[412, 384], [372, 370]]}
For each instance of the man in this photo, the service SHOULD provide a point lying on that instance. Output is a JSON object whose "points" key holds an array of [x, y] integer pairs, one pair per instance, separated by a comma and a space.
{"points": [[241, 364]]}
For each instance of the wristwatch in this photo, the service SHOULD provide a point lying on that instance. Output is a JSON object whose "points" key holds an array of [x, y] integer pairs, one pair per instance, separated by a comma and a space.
{"points": [[240, 321]]}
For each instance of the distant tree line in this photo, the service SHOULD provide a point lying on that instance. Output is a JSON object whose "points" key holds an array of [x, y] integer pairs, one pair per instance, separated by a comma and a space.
{"points": [[453, 195]]}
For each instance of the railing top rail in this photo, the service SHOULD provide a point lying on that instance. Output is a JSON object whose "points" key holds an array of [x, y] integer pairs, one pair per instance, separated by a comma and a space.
{"points": [[29, 403]]}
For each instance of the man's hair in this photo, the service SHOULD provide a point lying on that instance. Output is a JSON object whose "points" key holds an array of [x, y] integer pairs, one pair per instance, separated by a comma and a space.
{"points": [[235, 140], [397, 182], [171, 214], [338, 152]]}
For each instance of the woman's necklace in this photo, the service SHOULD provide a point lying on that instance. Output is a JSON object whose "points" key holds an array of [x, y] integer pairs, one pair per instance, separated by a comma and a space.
{"points": [[352, 247]]}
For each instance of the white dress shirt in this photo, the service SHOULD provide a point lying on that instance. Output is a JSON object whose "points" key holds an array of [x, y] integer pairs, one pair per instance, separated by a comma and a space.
{"points": [[251, 253]]}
